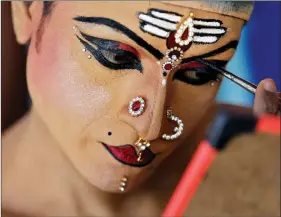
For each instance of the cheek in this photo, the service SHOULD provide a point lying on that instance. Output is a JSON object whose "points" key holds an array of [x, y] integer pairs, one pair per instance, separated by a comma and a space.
{"points": [[192, 102], [57, 79]]}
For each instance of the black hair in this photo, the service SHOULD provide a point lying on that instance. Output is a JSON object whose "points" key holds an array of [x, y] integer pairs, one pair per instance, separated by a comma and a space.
{"points": [[47, 10], [47, 7]]}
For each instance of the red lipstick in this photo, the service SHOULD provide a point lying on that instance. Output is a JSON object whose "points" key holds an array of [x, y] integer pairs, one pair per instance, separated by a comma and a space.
{"points": [[126, 154]]}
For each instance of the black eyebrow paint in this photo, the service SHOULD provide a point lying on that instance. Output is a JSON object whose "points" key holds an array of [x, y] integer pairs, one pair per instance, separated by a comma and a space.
{"points": [[123, 29]]}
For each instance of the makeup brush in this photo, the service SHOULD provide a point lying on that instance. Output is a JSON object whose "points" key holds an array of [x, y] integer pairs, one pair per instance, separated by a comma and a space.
{"points": [[234, 78], [225, 126]]}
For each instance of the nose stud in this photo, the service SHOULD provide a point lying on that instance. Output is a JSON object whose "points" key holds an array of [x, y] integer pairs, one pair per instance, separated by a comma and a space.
{"points": [[136, 106]]}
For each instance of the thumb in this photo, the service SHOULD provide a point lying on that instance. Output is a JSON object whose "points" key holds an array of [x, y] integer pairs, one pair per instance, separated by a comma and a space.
{"points": [[266, 100]]}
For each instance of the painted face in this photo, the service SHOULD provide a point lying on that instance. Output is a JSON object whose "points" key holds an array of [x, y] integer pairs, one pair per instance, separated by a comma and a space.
{"points": [[100, 81]]}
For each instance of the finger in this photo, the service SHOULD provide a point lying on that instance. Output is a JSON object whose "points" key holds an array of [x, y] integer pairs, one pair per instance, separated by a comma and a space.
{"points": [[266, 100]]}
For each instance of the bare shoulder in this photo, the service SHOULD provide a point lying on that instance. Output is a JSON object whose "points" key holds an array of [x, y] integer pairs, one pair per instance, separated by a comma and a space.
{"points": [[243, 181]]}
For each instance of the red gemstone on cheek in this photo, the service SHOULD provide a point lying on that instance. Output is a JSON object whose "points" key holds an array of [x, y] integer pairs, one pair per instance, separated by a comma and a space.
{"points": [[136, 106]]}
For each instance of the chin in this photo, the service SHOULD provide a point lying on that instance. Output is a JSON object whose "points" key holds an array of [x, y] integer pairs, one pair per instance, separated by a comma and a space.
{"points": [[117, 178]]}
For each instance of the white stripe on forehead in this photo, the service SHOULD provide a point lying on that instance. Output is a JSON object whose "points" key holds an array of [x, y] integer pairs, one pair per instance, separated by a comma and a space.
{"points": [[161, 23], [166, 16], [205, 39], [209, 31], [206, 23], [155, 31], [157, 22]]}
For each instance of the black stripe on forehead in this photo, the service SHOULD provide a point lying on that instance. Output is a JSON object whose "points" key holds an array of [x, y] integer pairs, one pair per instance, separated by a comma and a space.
{"points": [[230, 45]]}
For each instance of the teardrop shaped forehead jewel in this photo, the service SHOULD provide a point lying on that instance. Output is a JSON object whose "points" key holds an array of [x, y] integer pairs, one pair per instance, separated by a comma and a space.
{"points": [[175, 54], [186, 25]]}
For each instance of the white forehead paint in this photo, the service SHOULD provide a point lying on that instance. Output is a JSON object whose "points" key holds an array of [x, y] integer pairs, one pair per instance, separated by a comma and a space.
{"points": [[155, 30], [210, 31], [161, 23], [166, 16], [157, 22], [205, 39], [206, 23]]}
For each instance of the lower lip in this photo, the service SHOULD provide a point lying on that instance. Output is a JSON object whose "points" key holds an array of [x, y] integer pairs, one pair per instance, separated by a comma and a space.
{"points": [[127, 155]]}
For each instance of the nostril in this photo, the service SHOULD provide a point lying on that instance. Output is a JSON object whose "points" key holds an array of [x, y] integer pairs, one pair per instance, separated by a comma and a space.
{"points": [[109, 133]]}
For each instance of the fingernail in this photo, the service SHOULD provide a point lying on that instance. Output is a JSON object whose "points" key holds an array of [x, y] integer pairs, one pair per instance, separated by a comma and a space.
{"points": [[270, 87]]}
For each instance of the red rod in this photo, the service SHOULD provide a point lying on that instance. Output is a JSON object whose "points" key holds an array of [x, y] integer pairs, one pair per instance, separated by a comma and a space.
{"points": [[199, 165], [190, 180], [268, 124]]}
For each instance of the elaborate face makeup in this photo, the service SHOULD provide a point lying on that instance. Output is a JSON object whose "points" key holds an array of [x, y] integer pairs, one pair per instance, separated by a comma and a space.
{"points": [[97, 83]]}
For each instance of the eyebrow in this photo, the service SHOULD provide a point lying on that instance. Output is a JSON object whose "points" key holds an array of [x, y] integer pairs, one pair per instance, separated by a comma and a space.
{"points": [[123, 29]]}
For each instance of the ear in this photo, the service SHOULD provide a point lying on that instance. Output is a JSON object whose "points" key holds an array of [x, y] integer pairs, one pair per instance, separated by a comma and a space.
{"points": [[25, 19]]}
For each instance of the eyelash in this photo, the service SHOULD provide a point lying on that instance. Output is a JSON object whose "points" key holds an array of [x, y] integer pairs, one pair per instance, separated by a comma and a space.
{"points": [[194, 77], [195, 73], [109, 55]]}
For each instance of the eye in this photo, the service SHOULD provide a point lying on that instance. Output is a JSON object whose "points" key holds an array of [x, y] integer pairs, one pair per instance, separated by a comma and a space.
{"points": [[194, 77], [109, 54], [121, 57], [195, 73], [191, 74]]}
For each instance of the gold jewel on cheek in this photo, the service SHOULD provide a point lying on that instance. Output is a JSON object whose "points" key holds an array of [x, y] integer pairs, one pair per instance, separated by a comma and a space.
{"points": [[123, 183]]}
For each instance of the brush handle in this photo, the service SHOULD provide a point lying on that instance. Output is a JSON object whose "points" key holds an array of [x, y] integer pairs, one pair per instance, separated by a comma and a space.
{"points": [[236, 79], [241, 82]]}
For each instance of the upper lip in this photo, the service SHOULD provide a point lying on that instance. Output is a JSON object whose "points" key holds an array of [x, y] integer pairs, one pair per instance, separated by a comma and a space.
{"points": [[127, 155]]}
